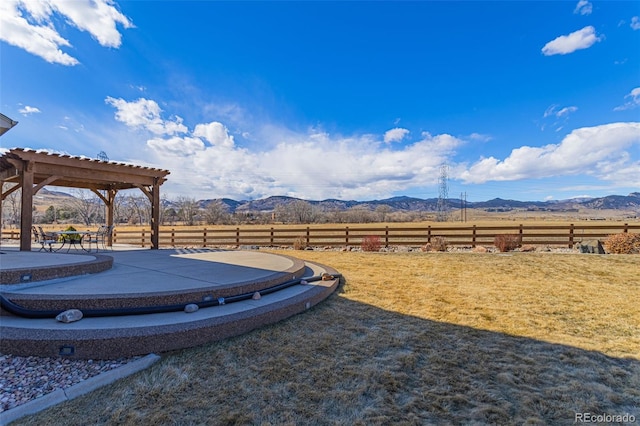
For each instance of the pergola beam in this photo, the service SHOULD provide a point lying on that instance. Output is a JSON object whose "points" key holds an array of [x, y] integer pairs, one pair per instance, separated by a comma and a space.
{"points": [[28, 168]]}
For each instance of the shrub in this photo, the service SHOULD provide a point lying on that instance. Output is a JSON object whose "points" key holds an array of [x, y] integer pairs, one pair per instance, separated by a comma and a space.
{"points": [[507, 242], [439, 244], [300, 243], [624, 243], [370, 243]]}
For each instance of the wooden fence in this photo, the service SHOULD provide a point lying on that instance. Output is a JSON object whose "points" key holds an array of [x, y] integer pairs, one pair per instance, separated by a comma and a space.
{"points": [[317, 236], [320, 236]]}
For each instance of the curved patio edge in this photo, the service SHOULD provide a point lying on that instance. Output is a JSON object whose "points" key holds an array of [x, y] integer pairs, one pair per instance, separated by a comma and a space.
{"points": [[25, 275]]}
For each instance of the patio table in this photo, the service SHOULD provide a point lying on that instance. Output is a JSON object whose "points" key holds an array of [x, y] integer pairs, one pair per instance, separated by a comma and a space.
{"points": [[73, 238]]}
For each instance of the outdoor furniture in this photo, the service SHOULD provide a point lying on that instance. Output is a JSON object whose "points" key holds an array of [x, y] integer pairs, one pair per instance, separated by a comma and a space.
{"points": [[105, 235], [44, 238], [70, 238], [91, 238]]}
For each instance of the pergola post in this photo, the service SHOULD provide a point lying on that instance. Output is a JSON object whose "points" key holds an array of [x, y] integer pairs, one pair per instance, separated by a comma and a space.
{"points": [[111, 197], [155, 214], [26, 212]]}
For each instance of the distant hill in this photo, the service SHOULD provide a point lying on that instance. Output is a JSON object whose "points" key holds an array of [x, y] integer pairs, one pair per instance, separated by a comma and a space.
{"points": [[404, 203], [631, 203]]}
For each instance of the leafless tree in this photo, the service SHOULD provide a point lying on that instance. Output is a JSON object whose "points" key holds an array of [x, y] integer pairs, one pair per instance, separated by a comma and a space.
{"points": [[187, 209], [84, 205], [383, 211], [11, 208], [139, 209], [300, 211], [216, 213], [359, 214]]}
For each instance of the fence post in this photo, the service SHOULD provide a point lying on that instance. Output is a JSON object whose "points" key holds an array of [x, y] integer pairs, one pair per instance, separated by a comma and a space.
{"points": [[473, 237], [626, 228], [386, 236], [238, 236], [520, 232], [143, 238], [571, 236], [346, 238], [204, 238], [308, 237], [429, 234], [271, 236], [113, 236], [173, 237]]}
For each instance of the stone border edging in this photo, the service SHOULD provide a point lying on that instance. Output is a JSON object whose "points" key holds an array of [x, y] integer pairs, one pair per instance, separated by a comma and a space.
{"points": [[61, 395]]}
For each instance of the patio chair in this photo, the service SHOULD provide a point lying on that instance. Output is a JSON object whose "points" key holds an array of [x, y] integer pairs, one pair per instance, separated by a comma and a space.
{"points": [[44, 238], [94, 238], [102, 236]]}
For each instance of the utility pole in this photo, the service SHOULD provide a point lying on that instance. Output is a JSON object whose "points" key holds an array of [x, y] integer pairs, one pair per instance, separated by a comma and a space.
{"points": [[465, 206], [443, 194]]}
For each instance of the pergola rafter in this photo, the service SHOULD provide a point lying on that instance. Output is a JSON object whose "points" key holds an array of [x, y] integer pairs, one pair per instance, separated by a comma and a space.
{"points": [[31, 171]]}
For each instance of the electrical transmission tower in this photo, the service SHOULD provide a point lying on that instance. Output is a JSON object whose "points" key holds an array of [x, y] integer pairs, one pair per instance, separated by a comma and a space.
{"points": [[442, 209]]}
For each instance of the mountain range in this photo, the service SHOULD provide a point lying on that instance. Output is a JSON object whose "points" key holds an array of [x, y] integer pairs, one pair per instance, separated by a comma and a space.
{"points": [[629, 202]]}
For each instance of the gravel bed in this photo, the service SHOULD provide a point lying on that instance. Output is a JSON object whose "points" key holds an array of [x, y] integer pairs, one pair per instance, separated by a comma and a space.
{"points": [[23, 379]]}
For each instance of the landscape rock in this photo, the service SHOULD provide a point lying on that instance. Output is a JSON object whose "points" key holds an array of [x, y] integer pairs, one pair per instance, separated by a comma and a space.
{"points": [[191, 307], [480, 249], [591, 246], [528, 248], [326, 277], [256, 296], [70, 315]]}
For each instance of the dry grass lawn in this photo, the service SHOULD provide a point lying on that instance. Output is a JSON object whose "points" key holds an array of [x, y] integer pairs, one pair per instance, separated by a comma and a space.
{"points": [[411, 338]]}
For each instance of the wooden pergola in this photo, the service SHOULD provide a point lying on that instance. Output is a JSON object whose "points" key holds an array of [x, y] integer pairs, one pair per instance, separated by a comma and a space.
{"points": [[31, 171]]}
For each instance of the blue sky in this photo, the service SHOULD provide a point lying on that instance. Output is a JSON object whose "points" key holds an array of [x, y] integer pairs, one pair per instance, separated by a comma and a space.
{"points": [[351, 100]]}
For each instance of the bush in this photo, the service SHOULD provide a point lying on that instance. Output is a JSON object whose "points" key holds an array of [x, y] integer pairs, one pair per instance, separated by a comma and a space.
{"points": [[624, 243], [300, 243], [370, 243], [71, 237], [507, 242]]}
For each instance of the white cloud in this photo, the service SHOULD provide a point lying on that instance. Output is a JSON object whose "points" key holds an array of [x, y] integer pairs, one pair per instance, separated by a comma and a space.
{"points": [[30, 25], [395, 135], [480, 137], [181, 146], [634, 100], [312, 164], [26, 110], [588, 150], [635, 23], [566, 111], [556, 117], [581, 39], [583, 8], [145, 113], [553, 111], [216, 133]]}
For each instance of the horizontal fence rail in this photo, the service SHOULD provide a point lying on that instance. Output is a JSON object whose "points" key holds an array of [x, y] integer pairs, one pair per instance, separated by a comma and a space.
{"points": [[557, 235]]}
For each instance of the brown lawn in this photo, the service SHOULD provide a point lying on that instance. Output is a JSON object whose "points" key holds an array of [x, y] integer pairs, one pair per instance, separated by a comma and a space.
{"points": [[410, 338]]}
